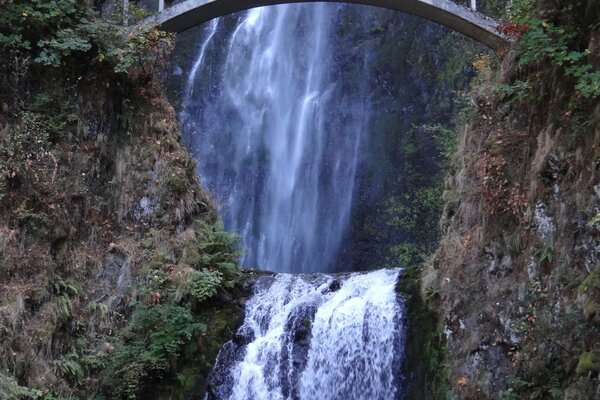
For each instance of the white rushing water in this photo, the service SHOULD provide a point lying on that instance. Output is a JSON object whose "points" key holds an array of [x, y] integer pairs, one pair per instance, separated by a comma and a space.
{"points": [[316, 337], [274, 143]]}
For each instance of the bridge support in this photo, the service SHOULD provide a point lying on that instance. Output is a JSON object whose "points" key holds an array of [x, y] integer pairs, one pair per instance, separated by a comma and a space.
{"points": [[161, 5], [474, 5]]}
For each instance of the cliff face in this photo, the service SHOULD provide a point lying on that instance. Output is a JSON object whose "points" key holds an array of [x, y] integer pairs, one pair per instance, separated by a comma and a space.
{"points": [[516, 275], [114, 271], [95, 230]]}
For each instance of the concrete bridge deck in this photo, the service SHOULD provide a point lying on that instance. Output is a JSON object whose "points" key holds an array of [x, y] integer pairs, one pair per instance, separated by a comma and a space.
{"points": [[189, 13]]}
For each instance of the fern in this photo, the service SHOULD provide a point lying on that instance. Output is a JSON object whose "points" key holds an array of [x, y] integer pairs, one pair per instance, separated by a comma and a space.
{"points": [[10, 389], [69, 367], [594, 220], [546, 252], [217, 249], [64, 306], [147, 347]]}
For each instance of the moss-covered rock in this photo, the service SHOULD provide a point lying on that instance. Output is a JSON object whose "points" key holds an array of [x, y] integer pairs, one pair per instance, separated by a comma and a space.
{"points": [[424, 357], [588, 363], [588, 296]]}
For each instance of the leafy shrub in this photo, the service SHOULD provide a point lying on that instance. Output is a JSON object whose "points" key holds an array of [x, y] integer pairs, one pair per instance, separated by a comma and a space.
{"points": [[205, 283], [56, 32], [546, 42]]}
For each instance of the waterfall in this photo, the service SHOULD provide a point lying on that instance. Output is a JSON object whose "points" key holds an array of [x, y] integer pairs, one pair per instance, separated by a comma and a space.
{"points": [[275, 145], [316, 337], [276, 128]]}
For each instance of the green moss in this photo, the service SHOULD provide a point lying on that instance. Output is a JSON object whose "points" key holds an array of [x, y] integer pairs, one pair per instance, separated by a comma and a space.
{"points": [[588, 362], [190, 253], [589, 294], [424, 360]]}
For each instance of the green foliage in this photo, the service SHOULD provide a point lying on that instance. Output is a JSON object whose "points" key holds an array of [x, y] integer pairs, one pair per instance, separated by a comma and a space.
{"points": [[412, 217], [545, 42], [98, 307], [169, 317], [515, 386], [405, 254], [65, 43], [219, 249], [516, 92], [57, 111], [594, 220], [549, 385], [146, 48], [56, 32], [146, 348], [515, 243], [64, 306], [26, 158], [70, 368], [521, 11], [26, 142], [591, 284], [425, 339], [546, 252], [10, 389], [431, 292], [24, 22], [205, 284], [445, 139], [156, 280], [64, 292]]}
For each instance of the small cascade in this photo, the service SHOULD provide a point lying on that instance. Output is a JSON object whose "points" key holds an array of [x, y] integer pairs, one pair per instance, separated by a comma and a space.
{"points": [[316, 336]]}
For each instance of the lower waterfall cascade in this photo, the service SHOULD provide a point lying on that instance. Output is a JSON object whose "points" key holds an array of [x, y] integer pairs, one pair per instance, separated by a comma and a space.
{"points": [[316, 337]]}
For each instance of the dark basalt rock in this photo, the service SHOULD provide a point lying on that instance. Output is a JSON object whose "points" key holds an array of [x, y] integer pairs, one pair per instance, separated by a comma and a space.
{"points": [[334, 286], [299, 331], [220, 381]]}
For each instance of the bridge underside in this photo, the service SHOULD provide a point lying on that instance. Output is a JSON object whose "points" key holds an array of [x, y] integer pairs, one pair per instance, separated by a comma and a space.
{"points": [[193, 12]]}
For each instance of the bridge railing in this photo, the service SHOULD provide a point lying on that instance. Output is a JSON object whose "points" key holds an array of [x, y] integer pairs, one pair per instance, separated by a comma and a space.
{"points": [[161, 5]]}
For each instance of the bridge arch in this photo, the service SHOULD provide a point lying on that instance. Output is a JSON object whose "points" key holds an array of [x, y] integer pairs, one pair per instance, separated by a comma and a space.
{"points": [[190, 13]]}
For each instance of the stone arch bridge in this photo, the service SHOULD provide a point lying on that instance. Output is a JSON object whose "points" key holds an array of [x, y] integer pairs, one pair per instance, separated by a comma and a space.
{"points": [[189, 13]]}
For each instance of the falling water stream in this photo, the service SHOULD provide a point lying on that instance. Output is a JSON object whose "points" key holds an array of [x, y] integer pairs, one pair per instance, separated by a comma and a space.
{"points": [[280, 152], [274, 144]]}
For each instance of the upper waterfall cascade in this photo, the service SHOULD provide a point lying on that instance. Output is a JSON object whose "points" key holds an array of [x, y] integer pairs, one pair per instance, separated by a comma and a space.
{"points": [[275, 143]]}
